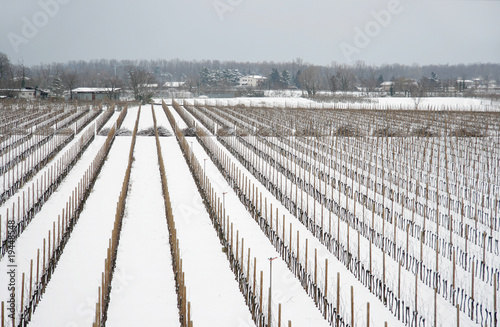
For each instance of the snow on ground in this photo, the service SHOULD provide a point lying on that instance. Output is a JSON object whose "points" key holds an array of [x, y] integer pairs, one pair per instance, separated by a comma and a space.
{"points": [[211, 285], [451, 103], [162, 120], [297, 306], [79, 269], [284, 278], [129, 121], [148, 297], [293, 100], [31, 239]]}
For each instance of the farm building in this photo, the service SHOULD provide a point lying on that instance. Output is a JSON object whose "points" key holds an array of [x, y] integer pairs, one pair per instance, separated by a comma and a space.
{"points": [[95, 93], [24, 93], [252, 80]]}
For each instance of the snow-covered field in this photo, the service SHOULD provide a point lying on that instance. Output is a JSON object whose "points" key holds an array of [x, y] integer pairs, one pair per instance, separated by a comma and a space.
{"points": [[369, 217]]}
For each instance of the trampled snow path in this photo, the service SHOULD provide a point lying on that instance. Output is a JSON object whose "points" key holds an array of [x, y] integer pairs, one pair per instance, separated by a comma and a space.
{"points": [[71, 294], [211, 285], [146, 296]]}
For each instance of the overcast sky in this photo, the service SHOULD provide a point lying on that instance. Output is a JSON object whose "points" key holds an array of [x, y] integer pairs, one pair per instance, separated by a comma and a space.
{"points": [[318, 31]]}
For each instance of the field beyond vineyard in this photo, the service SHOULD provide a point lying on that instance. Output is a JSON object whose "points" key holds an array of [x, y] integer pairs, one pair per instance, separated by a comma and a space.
{"points": [[246, 212]]}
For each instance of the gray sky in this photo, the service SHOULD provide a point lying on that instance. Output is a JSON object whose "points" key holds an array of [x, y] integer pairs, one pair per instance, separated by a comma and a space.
{"points": [[318, 31]]}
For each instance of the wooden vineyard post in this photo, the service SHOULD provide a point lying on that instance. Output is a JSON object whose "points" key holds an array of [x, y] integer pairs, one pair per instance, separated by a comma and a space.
{"points": [[315, 273], [326, 278], [338, 297], [237, 243], [437, 253], [416, 291], [348, 241], [454, 271], [261, 287], [283, 233], [3, 314], [298, 246], [458, 316], [435, 306], [359, 257], [399, 280], [290, 236], [368, 314], [330, 222], [231, 236], [31, 279], [383, 266], [307, 245], [407, 238], [242, 253], [495, 281], [472, 291], [422, 237], [352, 305], [279, 315], [248, 265], [370, 262], [271, 218], [254, 273]]}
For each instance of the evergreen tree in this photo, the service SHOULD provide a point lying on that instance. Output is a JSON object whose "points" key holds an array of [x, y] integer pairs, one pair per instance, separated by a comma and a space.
{"points": [[296, 79], [57, 86], [285, 78], [275, 78], [380, 79]]}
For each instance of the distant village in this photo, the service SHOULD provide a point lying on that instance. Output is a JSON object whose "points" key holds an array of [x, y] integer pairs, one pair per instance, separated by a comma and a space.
{"points": [[101, 80], [180, 89]]}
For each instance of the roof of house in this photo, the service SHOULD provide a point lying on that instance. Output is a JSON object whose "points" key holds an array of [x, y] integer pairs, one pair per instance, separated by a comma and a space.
{"points": [[173, 84], [254, 76], [94, 90]]}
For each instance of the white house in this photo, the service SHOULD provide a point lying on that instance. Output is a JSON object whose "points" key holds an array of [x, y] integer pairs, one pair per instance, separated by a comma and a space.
{"points": [[252, 80], [26, 93], [386, 86], [95, 93], [174, 85]]}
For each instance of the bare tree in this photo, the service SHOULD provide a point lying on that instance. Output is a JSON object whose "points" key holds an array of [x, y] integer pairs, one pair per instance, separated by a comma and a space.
{"points": [[112, 82], [138, 80], [70, 80], [309, 80], [5, 70]]}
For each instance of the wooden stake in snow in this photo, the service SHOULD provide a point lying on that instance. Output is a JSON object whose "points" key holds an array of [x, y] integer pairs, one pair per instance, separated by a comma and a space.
{"points": [[261, 287], [338, 297], [315, 273], [352, 305], [495, 281], [368, 314], [472, 291], [326, 277], [279, 315], [298, 246]]}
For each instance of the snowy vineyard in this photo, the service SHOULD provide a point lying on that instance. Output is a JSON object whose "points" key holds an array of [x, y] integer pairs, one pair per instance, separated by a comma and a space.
{"points": [[249, 214]]}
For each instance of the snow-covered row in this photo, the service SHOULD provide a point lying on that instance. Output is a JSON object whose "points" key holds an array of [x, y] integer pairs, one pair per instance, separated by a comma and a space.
{"points": [[211, 285]]}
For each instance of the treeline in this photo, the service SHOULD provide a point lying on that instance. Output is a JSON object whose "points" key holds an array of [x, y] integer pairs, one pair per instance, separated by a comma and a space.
{"points": [[60, 77]]}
